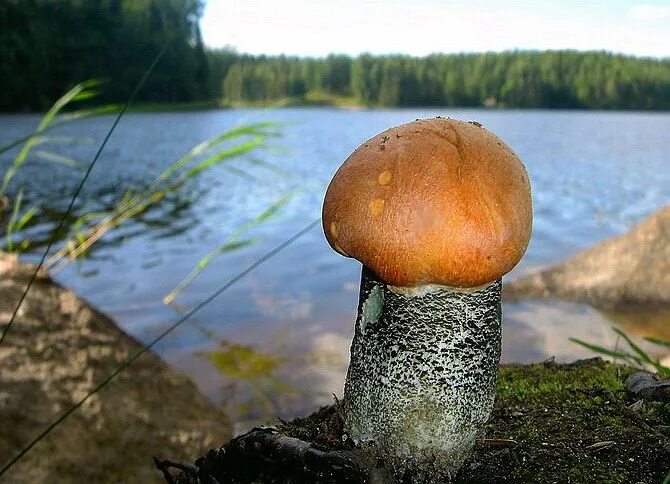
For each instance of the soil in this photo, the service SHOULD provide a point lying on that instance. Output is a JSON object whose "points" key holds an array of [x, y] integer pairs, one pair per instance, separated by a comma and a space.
{"points": [[562, 423]]}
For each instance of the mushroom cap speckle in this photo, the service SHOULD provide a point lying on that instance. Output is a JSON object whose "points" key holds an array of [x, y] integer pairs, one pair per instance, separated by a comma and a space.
{"points": [[435, 201]]}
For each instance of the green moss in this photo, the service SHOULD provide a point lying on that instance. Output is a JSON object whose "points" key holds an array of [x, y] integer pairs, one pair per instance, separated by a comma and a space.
{"points": [[551, 381], [570, 423]]}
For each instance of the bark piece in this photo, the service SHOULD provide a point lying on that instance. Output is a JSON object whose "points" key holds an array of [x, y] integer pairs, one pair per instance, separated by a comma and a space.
{"points": [[267, 455]]}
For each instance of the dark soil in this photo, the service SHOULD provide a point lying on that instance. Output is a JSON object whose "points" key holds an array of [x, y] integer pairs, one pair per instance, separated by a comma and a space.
{"points": [[563, 423]]}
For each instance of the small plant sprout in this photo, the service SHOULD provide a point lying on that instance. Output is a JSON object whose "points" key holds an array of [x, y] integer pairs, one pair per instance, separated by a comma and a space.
{"points": [[437, 211], [634, 356]]}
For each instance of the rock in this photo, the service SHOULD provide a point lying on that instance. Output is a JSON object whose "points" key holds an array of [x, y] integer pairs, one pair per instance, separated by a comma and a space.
{"points": [[625, 271], [648, 386], [58, 348]]}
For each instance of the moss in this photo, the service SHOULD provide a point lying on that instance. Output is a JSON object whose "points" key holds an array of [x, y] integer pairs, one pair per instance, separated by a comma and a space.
{"points": [[570, 423]]}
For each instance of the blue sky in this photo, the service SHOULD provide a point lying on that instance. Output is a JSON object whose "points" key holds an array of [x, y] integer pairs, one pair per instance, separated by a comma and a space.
{"points": [[420, 27]]}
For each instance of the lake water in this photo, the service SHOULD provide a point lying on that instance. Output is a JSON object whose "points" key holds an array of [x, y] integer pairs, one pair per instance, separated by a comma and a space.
{"points": [[277, 341]]}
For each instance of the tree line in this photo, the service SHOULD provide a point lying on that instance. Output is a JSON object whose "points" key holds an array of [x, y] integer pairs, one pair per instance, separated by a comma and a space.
{"points": [[47, 46], [525, 79]]}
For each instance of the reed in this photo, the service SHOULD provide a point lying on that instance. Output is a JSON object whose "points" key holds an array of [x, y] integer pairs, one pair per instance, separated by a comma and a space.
{"points": [[633, 355]]}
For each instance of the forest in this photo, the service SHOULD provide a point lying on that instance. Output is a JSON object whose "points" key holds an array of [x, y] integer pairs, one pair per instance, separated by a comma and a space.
{"points": [[45, 49], [549, 79], [48, 46]]}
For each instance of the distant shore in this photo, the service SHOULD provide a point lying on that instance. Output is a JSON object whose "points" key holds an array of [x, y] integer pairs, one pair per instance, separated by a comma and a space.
{"points": [[322, 99], [344, 104]]}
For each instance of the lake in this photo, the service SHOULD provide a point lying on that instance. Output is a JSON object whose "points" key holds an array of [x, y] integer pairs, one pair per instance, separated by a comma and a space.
{"points": [[276, 343]]}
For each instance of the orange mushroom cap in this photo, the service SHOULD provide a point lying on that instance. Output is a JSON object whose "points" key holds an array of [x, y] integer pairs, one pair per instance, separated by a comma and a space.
{"points": [[435, 201]]}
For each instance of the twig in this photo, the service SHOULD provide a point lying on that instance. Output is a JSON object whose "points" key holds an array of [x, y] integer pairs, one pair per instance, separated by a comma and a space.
{"points": [[164, 465], [497, 442]]}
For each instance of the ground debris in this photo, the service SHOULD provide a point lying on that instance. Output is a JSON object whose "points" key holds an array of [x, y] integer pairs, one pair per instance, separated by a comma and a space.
{"points": [[552, 422], [647, 386], [267, 455], [606, 444]]}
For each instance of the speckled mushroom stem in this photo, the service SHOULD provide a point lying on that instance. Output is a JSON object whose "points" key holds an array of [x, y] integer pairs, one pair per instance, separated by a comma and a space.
{"points": [[422, 375]]}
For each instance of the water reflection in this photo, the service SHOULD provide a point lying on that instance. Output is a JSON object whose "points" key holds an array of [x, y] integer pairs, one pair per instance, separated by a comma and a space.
{"points": [[170, 218], [249, 379], [280, 377], [298, 366], [538, 329]]}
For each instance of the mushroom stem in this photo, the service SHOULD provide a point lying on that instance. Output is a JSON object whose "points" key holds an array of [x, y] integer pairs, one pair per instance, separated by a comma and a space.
{"points": [[422, 375]]}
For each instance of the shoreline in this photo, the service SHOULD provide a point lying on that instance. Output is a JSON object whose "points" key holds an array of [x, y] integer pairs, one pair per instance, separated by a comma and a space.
{"points": [[287, 103], [59, 349]]}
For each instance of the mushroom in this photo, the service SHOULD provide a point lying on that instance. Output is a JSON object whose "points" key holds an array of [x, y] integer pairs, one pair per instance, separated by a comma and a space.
{"points": [[437, 211]]}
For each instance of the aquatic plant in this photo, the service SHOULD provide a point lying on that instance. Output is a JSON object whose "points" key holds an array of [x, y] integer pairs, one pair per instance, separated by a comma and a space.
{"points": [[634, 355], [15, 221]]}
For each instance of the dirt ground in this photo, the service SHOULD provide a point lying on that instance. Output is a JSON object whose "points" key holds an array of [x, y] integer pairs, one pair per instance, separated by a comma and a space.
{"points": [[552, 423]]}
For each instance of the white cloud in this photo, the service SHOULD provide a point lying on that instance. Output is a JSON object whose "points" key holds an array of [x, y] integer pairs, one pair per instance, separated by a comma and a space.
{"points": [[420, 27], [649, 12]]}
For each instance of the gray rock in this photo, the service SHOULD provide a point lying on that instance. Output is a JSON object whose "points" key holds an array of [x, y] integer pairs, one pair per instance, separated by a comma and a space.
{"points": [[648, 386], [58, 348], [629, 270]]}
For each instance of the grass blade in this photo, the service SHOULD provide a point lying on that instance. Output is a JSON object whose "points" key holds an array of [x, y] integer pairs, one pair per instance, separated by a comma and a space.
{"points": [[659, 342], [24, 219], [240, 173], [12, 221], [204, 262], [17, 223], [80, 91], [62, 119], [135, 203], [641, 353], [265, 215], [267, 165], [605, 351], [56, 158], [78, 190], [255, 129], [224, 155], [232, 243]]}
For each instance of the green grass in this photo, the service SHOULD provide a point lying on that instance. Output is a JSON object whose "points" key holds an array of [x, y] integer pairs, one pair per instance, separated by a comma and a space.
{"points": [[227, 150], [633, 355], [83, 91]]}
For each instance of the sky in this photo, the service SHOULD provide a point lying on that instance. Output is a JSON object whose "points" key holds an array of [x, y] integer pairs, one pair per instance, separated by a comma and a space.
{"points": [[420, 27]]}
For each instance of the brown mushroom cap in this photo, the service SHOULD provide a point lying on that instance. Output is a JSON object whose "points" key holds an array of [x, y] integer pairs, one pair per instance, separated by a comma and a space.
{"points": [[434, 201]]}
